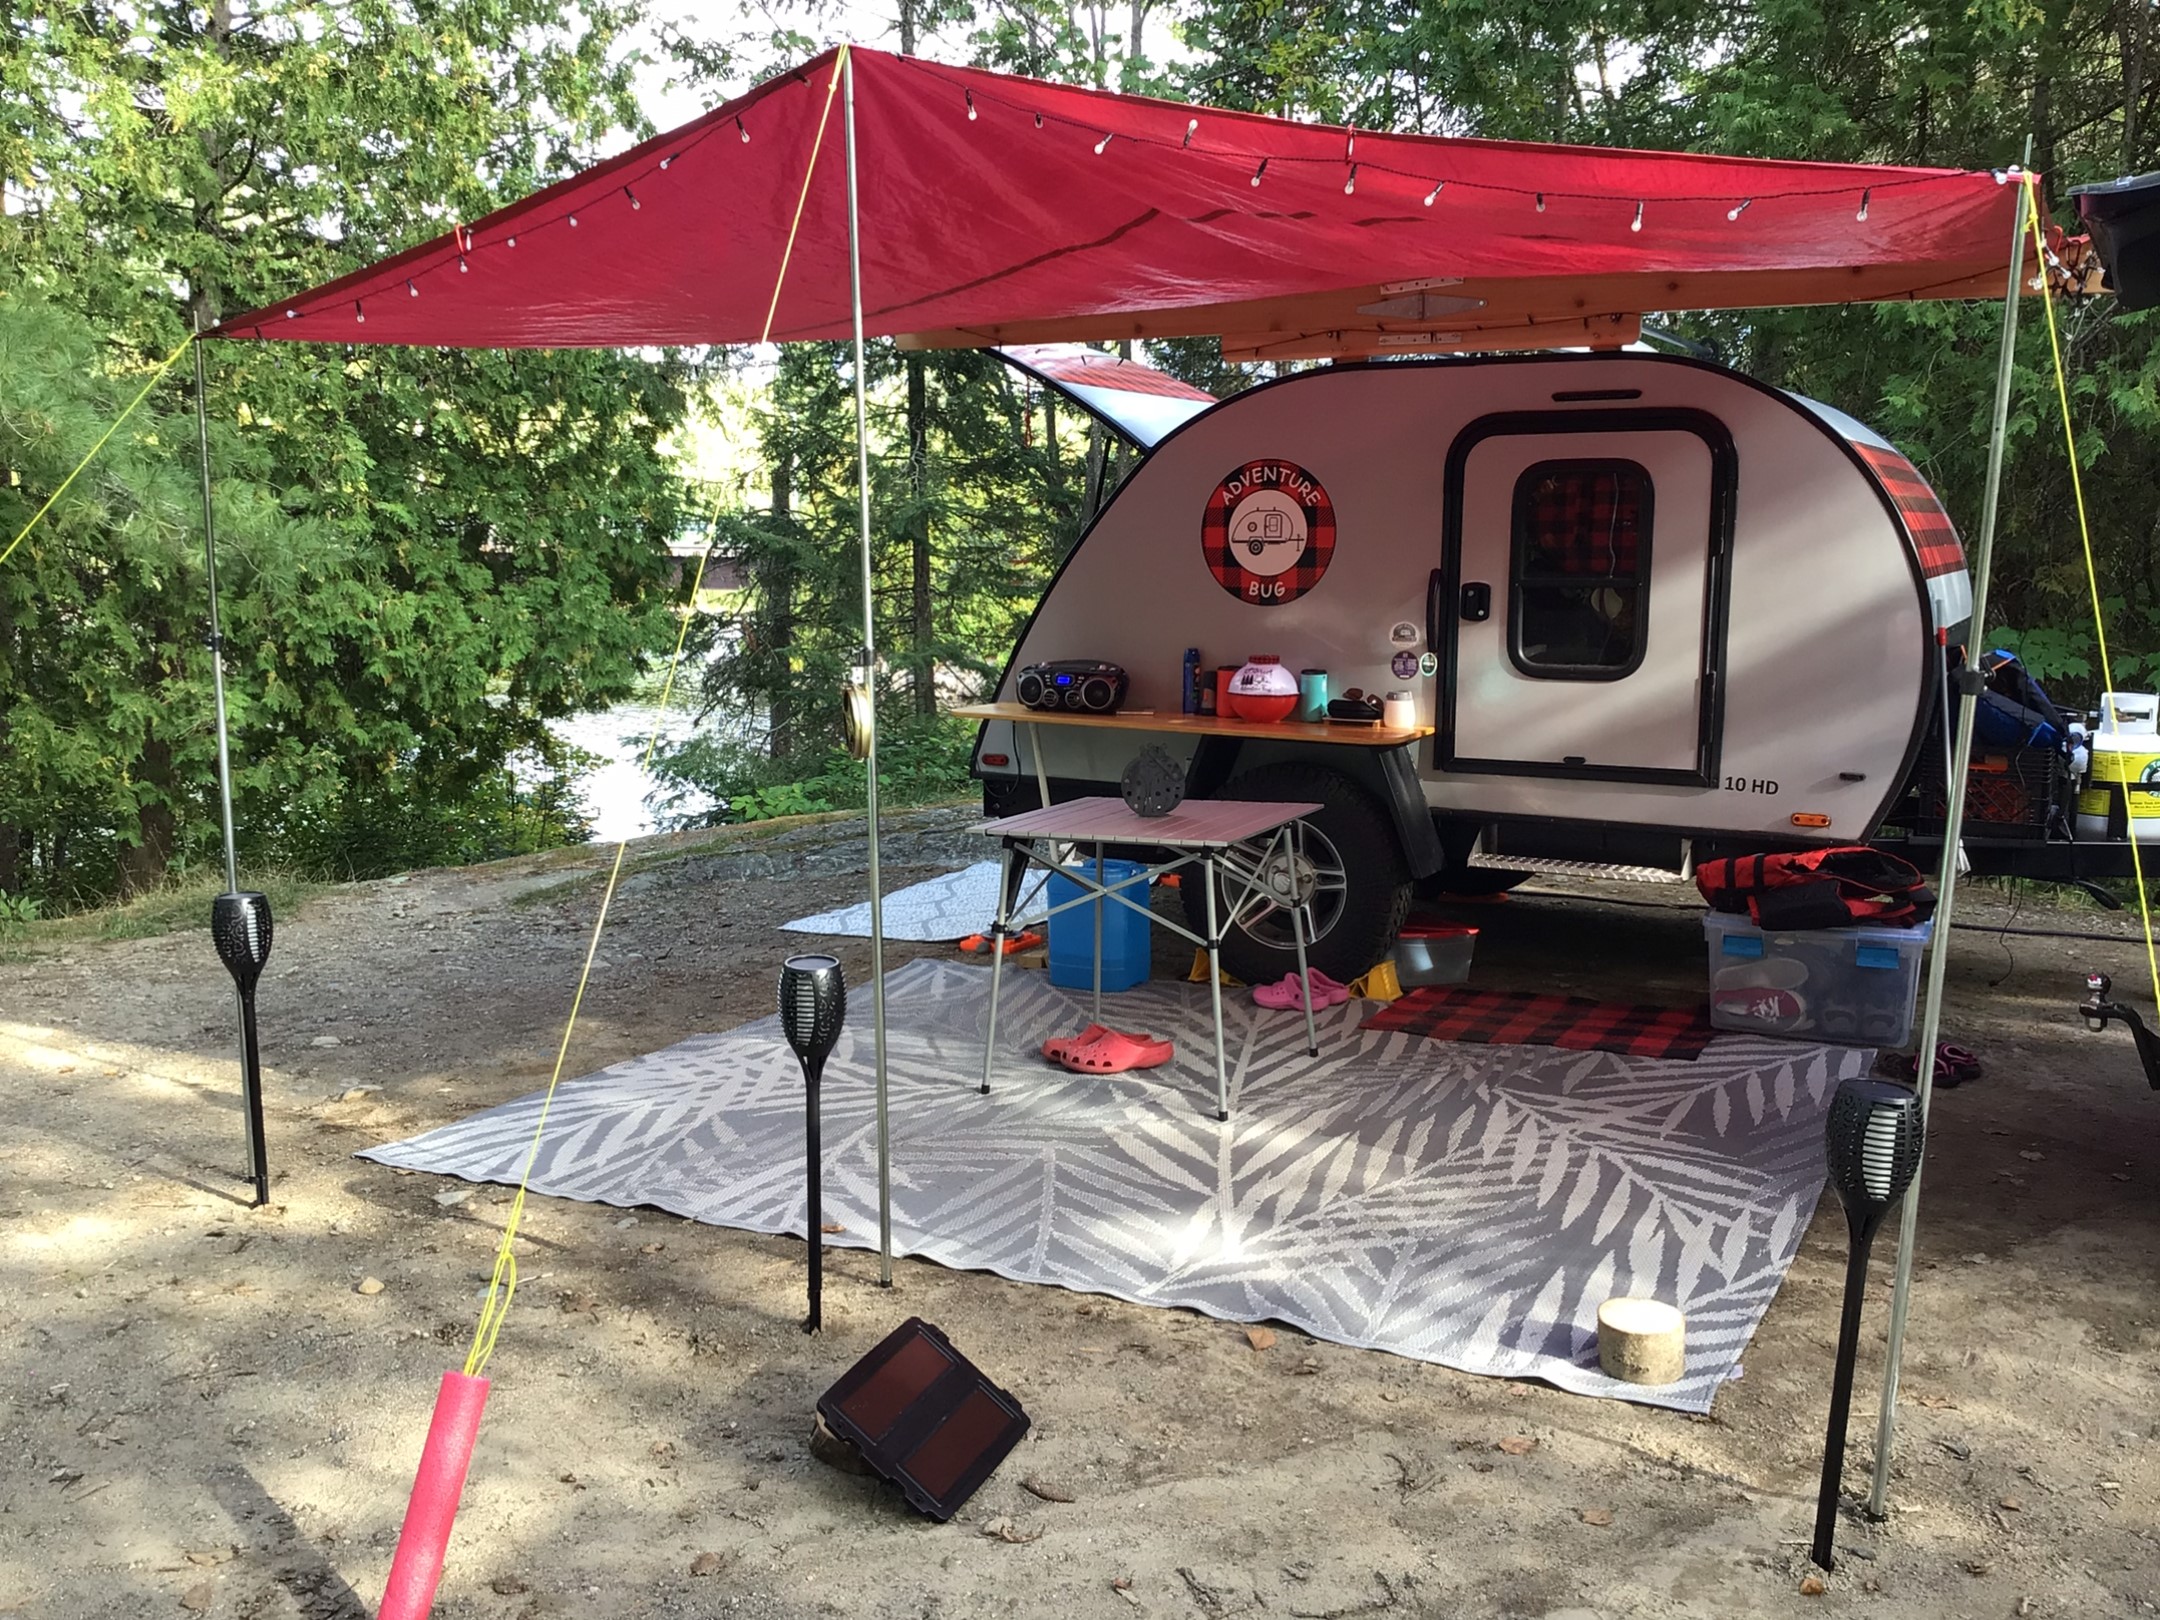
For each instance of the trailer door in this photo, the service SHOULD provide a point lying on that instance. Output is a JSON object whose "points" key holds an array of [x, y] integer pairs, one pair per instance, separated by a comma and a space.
{"points": [[1578, 610]]}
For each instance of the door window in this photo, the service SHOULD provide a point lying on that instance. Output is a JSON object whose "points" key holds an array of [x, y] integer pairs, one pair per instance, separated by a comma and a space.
{"points": [[1580, 561]]}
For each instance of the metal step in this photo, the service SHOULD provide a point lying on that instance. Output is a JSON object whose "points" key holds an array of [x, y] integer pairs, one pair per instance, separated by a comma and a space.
{"points": [[1604, 871]]}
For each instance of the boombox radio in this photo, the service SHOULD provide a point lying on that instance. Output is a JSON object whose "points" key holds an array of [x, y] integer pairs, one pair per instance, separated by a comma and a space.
{"points": [[1081, 684]]}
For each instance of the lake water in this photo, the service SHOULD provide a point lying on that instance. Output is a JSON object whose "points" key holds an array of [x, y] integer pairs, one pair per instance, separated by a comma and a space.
{"points": [[617, 794]]}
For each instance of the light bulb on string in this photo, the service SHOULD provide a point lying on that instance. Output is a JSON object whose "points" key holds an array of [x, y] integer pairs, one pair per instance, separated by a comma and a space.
{"points": [[742, 129], [1257, 173], [510, 241], [292, 314], [358, 314], [1636, 223], [463, 268], [1101, 144], [1349, 186], [1864, 196], [1192, 126], [1740, 208], [1038, 120], [1541, 202], [670, 158], [1438, 187], [573, 222], [410, 288], [635, 205], [971, 106]]}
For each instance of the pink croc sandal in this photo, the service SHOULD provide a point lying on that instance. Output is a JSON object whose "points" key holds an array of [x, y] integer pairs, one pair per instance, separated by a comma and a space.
{"points": [[1284, 995], [1114, 1052], [1060, 1047]]}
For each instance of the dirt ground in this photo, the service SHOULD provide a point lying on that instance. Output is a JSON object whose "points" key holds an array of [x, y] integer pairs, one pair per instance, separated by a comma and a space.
{"points": [[200, 1414]]}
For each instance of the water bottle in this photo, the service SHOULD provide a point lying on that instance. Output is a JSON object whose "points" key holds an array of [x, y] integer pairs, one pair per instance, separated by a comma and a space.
{"points": [[1190, 686]]}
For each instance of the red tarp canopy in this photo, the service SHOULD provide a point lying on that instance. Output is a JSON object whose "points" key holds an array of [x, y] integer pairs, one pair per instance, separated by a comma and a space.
{"points": [[1006, 210]]}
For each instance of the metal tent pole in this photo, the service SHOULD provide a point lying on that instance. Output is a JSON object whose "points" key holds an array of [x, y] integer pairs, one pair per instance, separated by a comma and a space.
{"points": [[1953, 833], [243, 997], [869, 664], [217, 641]]}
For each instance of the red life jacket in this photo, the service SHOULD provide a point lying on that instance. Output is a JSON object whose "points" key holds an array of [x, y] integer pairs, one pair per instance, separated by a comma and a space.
{"points": [[1847, 886]]}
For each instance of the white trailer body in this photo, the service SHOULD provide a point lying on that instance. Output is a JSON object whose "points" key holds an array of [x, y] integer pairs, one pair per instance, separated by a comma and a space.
{"points": [[1646, 604]]}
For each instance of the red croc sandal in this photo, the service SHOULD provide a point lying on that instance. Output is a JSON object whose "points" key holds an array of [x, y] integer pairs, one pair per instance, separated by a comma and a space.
{"points": [[1058, 1046], [1114, 1052]]}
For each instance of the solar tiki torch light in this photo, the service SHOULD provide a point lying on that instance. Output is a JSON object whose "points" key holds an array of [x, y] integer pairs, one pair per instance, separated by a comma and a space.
{"points": [[1873, 1144], [813, 1006], [240, 923]]}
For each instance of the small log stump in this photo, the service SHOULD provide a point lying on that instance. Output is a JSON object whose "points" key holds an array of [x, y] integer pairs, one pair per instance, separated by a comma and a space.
{"points": [[1641, 1341]]}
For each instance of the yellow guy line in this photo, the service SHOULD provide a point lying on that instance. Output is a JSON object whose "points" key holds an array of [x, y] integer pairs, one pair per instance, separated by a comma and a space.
{"points": [[140, 396], [502, 1282], [2092, 575], [839, 67]]}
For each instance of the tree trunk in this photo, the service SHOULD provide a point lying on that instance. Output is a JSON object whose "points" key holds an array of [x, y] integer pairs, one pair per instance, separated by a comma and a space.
{"points": [[143, 864], [918, 439]]}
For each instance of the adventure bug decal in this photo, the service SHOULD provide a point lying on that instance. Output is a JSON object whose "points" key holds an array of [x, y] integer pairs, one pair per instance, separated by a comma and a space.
{"points": [[1268, 532]]}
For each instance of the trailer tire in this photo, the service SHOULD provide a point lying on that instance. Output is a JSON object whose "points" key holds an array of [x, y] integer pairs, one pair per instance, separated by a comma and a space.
{"points": [[1350, 835]]}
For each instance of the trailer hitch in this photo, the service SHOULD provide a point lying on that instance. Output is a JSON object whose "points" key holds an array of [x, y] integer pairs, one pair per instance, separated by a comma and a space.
{"points": [[2097, 1010]]}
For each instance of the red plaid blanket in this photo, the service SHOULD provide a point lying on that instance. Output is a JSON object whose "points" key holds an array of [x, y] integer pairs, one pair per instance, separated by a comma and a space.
{"points": [[1509, 1018]]}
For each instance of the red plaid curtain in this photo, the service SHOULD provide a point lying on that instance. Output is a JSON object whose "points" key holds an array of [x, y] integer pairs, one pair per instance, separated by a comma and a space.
{"points": [[1583, 522]]}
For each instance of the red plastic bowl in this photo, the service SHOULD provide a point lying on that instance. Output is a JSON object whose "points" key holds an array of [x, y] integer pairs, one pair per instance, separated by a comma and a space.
{"points": [[1263, 706]]}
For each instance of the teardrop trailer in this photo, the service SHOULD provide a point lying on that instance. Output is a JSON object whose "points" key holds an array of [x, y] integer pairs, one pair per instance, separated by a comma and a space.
{"points": [[1650, 610]]}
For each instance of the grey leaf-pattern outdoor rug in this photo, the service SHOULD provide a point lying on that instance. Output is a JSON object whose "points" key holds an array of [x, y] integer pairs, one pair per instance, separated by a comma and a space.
{"points": [[951, 906], [1467, 1205]]}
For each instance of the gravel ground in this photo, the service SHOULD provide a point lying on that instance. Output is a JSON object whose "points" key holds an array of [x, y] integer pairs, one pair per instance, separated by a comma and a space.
{"points": [[202, 1413]]}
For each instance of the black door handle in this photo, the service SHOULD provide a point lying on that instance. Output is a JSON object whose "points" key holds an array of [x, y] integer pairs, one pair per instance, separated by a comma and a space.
{"points": [[1477, 602]]}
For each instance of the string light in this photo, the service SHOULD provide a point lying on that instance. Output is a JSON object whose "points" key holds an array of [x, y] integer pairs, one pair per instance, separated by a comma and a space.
{"points": [[463, 268], [1099, 145], [292, 314], [971, 106], [1350, 185], [359, 314], [1257, 173], [573, 222], [635, 205], [1541, 202], [1744, 205], [1191, 126], [1634, 225], [410, 288], [1038, 120], [510, 241], [743, 129], [670, 158], [1864, 196], [1438, 187]]}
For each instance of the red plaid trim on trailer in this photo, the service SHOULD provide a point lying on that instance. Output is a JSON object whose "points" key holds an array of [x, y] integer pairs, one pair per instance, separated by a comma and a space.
{"points": [[1934, 537], [1508, 1018], [1582, 520], [1279, 485]]}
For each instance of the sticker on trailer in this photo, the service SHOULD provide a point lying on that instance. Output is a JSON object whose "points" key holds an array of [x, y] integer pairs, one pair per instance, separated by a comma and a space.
{"points": [[1404, 664], [1268, 532], [1428, 666]]}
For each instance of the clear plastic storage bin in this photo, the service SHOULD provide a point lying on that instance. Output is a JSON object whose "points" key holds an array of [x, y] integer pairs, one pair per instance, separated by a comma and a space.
{"points": [[1854, 986]]}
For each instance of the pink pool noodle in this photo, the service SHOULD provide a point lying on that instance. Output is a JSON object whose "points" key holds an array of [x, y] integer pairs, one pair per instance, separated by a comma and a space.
{"points": [[425, 1539]]}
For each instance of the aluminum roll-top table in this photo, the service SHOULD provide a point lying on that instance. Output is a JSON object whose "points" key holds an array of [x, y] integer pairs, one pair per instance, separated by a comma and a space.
{"points": [[1246, 850]]}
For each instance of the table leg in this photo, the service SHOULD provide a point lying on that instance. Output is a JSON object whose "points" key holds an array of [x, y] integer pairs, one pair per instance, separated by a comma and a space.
{"points": [[1042, 772], [1298, 919], [1214, 984], [1008, 894], [1100, 903]]}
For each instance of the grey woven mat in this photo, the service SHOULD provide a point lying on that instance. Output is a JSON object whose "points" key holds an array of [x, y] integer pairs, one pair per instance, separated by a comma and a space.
{"points": [[1467, 1205]]}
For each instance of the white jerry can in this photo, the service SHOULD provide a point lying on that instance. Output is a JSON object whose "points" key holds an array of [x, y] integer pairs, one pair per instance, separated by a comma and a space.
{"points": [[2122, 796]]}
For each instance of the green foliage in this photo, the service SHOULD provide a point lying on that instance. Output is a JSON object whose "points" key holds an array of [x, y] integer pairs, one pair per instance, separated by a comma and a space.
{"points": [[425, 554], [920, 761]]}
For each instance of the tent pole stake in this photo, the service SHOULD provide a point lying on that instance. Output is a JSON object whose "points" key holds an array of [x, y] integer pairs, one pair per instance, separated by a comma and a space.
{"points": [[869, 636], [1953, 834]]}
